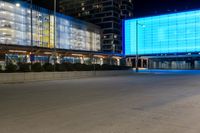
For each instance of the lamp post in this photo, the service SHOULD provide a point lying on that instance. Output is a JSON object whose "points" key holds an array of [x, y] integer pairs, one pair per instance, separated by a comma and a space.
{"points": [[31, 33], [30, 2], [136, 57], [31, 22], [55, 5], [137, 41]]}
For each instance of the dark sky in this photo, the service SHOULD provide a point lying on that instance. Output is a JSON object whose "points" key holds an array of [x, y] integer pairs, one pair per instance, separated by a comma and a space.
{"points": [[155, 7], [150, 7]]}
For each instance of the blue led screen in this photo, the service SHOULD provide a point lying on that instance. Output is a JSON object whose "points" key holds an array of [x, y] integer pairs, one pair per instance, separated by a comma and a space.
{"points": [[172, 33]]}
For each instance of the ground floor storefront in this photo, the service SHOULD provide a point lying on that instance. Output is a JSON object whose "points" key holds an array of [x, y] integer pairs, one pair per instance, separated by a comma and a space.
{"points": [[174, 63], [22, 54]]}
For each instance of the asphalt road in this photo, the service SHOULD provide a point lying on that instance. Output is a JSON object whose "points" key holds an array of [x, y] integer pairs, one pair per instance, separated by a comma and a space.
{"points": [[144, 103]]}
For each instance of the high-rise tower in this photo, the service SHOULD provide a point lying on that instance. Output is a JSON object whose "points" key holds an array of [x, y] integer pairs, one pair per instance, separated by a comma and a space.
{"points": [[107, 14]]}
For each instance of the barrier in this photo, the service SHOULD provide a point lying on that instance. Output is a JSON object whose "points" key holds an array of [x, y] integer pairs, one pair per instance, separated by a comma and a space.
{"points": [[45, 76]]}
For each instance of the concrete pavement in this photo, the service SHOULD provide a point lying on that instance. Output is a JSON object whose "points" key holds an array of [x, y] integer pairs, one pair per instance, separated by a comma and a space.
{"points": [[151, 103]]}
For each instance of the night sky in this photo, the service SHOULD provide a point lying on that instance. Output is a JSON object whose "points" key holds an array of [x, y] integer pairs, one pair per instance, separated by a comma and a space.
{"points": [[149, 7], [155, 7]]}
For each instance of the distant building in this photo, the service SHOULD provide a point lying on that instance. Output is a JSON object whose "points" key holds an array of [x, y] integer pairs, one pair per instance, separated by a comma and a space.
{"points": [[75, 39], [70, 33], [107, 14]]}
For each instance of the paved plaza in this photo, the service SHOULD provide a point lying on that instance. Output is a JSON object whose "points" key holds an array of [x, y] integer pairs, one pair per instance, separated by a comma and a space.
{"points": [[140, 103]]}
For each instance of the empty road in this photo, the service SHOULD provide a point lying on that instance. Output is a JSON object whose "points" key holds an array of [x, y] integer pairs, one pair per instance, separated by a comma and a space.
{"points": [[143, 103]]}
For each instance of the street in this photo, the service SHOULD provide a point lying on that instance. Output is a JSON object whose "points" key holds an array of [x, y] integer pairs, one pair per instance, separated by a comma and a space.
{"points": [[140, 103]]}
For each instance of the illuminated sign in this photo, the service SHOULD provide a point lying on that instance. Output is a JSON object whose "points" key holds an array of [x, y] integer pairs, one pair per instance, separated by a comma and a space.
{"points": [[172, 33]]}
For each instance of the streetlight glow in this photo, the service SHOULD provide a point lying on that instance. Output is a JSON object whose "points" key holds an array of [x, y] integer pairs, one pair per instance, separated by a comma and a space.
{"points": [[17, 5]]}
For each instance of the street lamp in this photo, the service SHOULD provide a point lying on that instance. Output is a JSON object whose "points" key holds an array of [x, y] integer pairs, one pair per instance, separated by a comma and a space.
{"points": [[31, 25], [137, 40], [55, 5], [31, 15], [31, 30]]}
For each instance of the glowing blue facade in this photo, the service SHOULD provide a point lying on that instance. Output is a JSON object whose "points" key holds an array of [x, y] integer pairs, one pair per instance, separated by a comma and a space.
{"points": [[165, 34]]}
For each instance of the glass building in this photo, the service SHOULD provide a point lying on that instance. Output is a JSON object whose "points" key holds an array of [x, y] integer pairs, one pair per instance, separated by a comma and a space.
{"points": [[165, 34], [71, 34], [167, 41]]}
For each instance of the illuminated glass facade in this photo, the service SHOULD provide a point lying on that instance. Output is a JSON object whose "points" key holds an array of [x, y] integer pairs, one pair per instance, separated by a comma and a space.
{"points": [[15, 29], [77, 36], [165, 34]]}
